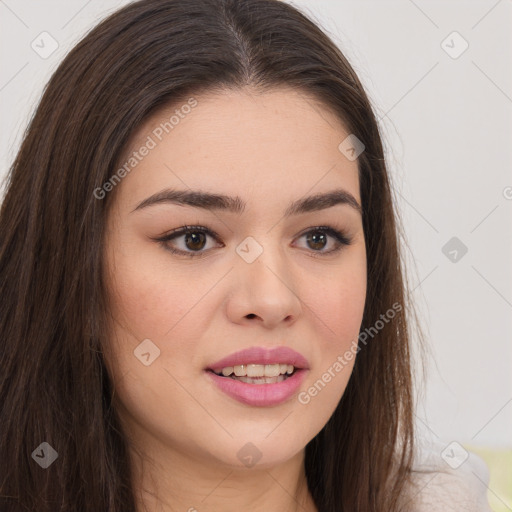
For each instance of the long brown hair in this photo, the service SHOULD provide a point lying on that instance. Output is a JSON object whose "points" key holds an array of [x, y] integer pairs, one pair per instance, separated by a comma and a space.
{"points": [[54, 385]]}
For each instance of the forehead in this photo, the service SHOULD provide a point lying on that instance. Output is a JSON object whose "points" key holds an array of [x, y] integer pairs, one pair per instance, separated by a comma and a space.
{"points": [[241, 143]]}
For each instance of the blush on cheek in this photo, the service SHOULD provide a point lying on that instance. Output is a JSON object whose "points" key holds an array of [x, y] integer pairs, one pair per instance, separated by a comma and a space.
{"points": [[340, 314]]}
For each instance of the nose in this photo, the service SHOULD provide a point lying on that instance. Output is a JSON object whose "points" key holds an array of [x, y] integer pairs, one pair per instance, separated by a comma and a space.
{"points": [[263, 291]]}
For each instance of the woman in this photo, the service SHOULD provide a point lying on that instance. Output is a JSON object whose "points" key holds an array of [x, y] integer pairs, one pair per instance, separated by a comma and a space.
{"points": [[204, 306]]}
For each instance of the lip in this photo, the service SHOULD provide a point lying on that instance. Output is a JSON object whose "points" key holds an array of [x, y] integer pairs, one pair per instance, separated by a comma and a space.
{"points": [[260, 355], [259, 395]]}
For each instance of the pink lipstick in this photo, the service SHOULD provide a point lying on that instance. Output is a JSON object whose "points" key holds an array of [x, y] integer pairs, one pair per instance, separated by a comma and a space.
{"points": [[258, 376]]}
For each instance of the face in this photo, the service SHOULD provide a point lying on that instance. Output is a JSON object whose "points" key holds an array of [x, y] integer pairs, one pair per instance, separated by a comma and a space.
{"points": [[252, 276]]}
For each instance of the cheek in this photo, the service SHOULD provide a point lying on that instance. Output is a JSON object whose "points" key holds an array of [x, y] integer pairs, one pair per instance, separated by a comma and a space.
{"points": [[148, 303], [340, 307], [149, 299], [338, 303], [152, 304], [337, 311]]}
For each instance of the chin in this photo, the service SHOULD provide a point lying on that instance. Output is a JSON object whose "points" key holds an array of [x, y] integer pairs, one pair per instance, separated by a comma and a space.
{"points": [[257, 452]]}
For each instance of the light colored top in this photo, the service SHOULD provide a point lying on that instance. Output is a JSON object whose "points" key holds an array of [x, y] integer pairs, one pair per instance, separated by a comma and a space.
{"points": [[448, 478]]}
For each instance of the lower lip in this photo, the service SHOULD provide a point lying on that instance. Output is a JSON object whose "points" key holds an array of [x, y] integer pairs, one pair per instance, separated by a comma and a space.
{"points": [[261, 395]]}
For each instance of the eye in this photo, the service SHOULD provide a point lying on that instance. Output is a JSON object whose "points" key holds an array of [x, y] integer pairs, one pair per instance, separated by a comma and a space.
{"points": [[195, 240], [318, 238]]}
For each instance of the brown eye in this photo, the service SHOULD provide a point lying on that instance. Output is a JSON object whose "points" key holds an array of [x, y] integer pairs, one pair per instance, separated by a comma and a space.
{"points": [[192, 240], [318, 238], [195, 240], [316, 241]]}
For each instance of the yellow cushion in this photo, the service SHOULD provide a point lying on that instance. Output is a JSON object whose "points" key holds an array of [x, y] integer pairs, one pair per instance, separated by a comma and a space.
{"points": [[499, 462]]}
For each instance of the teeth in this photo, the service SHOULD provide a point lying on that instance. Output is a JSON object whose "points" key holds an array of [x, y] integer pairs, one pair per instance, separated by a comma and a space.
{"points": [[227, 371], [257, 370], [262, 380], [241, 370]]}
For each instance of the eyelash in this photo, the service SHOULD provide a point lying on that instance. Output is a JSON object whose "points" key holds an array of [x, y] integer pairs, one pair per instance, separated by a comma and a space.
{"points": [[341, 237]]}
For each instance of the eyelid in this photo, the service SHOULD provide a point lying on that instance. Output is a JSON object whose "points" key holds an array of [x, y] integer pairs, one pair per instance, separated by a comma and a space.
{"points": [[340, 235], [182, 230]]}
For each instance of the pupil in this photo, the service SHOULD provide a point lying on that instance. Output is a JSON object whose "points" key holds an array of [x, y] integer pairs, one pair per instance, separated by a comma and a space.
{"points": [[315, 238], [196, 238]]}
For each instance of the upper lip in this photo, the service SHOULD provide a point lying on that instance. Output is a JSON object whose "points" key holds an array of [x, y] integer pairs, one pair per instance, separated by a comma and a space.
{"points": [[261, 355]]}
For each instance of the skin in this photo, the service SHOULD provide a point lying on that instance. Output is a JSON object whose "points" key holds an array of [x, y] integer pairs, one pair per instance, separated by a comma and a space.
{"points": [[184, 433]]}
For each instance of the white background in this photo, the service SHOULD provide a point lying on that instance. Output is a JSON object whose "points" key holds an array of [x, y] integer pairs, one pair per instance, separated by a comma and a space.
{"points": [[447, 128]]}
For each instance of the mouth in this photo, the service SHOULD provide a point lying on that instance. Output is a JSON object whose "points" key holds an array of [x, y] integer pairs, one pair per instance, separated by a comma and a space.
{"points": [[258, 376], [257, 373]]}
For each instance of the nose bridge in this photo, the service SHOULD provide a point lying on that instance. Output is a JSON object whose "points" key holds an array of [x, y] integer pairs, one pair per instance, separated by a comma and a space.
{"points": [[265, 278], [259, 254]]}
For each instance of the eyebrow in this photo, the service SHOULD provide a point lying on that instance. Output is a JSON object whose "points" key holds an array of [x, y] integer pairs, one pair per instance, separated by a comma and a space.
{"points": [[209, 201]]}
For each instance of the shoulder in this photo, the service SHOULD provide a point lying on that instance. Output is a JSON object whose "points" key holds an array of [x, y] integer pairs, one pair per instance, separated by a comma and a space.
{"points": [[447, 478]]}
